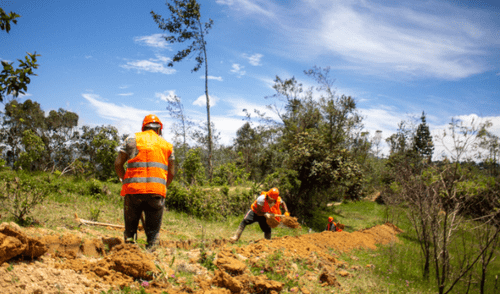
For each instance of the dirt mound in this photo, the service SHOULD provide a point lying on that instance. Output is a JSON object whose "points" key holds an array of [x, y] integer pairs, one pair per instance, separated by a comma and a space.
{"points": [[73, 264], [14, 242]]}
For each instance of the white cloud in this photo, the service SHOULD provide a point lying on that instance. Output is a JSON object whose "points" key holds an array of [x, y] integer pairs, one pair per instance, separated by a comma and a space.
{"points": [[398, 39], [88, 56], [212, 78], [166, 96], [249, 6], [151, 65], [238, 104], [254, 59], [126, 94], [202, 100], [238, 70], [126, 119], [123, 87], [155, 40], [227, 126], [425, 39]]}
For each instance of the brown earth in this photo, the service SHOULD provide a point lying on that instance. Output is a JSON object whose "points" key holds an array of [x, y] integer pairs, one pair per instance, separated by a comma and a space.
{"points": [[69, 263]]}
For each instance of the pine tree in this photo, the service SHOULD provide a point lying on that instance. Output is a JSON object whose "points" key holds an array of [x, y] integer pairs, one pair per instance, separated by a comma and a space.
{"points": [[423, 144]]}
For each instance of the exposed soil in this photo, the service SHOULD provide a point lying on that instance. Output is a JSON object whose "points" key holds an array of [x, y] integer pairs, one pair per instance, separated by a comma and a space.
{"points": [[69, 263]]}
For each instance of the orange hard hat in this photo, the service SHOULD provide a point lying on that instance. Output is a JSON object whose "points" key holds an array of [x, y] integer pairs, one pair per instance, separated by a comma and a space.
{"points": [[330, 219], [151, 119], [273, 193]]}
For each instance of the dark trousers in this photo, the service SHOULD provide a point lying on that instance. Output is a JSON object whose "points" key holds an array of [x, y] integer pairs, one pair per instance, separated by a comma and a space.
{"points": [[152, 205], [252, 217]]}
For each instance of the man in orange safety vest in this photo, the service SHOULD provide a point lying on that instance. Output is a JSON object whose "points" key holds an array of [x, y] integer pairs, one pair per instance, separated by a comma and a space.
{"points": [[150, 170], [267, 204], [332, 226]]}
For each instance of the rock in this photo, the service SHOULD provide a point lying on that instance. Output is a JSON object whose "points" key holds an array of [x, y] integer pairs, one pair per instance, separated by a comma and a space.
{"points": [[326, 277], [228, 262], [33, 248], [224, 280], [10, 247], [128, 259]]}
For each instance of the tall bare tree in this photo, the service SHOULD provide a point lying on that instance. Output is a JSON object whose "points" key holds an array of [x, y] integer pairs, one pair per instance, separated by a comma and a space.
{"points": [[184, 24]]}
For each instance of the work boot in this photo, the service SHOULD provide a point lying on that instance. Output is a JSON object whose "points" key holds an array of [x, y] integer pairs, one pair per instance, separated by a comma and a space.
{"points": [[238, 233], [267, 236]]}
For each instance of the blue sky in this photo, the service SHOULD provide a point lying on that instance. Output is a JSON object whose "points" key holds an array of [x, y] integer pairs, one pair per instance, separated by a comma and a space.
{"points": [[107, 61]]}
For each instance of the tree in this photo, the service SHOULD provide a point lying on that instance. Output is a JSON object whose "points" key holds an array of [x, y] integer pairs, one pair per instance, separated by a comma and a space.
{"points": [[247, 144], [184, 25], [376, 142], [423, 144], [19, 117], [315, 140], [182, 128], [490, 143], [33, 148], [15, 80], [444, 203], [97, 150], [57, 132]]}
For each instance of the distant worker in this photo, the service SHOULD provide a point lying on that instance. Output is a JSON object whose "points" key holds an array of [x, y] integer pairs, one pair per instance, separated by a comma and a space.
{"points": [[332, 226], [264, 207], [150, 170]]}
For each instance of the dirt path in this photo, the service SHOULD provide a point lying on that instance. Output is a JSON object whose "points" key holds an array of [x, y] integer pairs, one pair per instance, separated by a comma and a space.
{"points": [[69, 263]]}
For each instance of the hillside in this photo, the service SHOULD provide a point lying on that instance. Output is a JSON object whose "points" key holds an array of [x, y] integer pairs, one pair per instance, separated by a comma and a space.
{"points": [[90, 261]]}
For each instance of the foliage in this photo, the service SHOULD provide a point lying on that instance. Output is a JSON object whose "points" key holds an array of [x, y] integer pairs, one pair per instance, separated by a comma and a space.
{"points": [[56, 132], [20, 196], [15, 80], [423, 144], [440, 201], [229, 174], [33, 147], [193, 167], [318, 141], [207, 203], [98, 150]]}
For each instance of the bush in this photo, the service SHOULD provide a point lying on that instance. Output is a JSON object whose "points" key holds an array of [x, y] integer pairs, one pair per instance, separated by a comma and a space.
{"points": [[207, 203], [19, 196]]}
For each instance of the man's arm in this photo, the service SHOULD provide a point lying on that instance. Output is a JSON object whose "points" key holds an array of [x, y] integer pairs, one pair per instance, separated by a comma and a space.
{"points": [[284, 206], [119, 162], [171, 171]]}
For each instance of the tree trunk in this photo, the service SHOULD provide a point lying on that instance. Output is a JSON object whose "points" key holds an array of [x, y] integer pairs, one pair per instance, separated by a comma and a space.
{"points": [[209, 126]]}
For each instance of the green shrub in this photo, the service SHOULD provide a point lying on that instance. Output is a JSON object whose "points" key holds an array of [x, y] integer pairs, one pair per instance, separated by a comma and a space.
{"points": [[20, 195], [207, 203]]}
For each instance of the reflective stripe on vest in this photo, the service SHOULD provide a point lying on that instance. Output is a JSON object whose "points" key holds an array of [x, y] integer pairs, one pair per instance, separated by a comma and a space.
{"points": [[148, 164], [145, 180]]}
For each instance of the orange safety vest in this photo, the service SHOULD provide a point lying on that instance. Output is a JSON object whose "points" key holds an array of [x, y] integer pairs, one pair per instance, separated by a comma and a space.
{"points": [[147, 172], [337, 229], [275, 209]]}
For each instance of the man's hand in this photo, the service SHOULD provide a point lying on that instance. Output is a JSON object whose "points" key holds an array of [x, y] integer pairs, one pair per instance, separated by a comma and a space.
{"points": [[268, 215]]}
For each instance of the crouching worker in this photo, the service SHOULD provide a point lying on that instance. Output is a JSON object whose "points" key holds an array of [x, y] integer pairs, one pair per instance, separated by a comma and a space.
{"points": [[267, 204], [150, 170], [332, 226]]}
